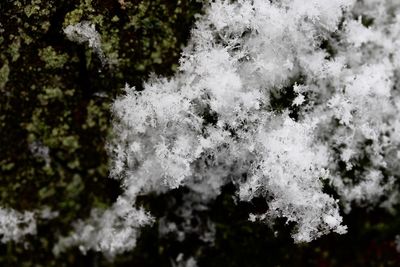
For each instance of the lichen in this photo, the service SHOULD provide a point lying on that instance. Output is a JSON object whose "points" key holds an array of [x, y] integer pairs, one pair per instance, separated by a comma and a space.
{"points": [[4, 73], [52, 59]]}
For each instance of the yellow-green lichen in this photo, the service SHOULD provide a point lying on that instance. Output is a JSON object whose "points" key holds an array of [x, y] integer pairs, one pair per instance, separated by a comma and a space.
{"points": [[110, 44], [4, 73], [52, 58], [13, 49], [50, 94], [96, 116]]}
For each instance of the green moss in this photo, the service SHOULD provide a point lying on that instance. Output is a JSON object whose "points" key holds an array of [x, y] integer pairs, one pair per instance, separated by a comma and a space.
{"points": [[4, 73], [50, 94], [96, 116], [71, 143], [32, 9], [109, 44], [7, 166], [13, 50], [75, 187], [78, 14], [47, 192], [52, 58]]}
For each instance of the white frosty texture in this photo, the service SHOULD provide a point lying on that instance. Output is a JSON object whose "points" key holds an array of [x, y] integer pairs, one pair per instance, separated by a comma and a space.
{"points": [[288, 171], [181, 262], [41, 151], [112, 231], [216, 121], [85, 32], [15, 225]]}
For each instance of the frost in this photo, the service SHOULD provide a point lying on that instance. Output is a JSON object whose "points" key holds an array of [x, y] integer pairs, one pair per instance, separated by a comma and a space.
{"points": [[181, 262], [289, 172], [298, 100], [15, 225], [85, 32], [41, 151], [280, 99], [111, 231], [164, 138]]}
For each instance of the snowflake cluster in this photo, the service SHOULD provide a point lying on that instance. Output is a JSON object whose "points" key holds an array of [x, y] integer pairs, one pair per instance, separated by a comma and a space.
{"points": [[279, 98], [85, 32]]}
